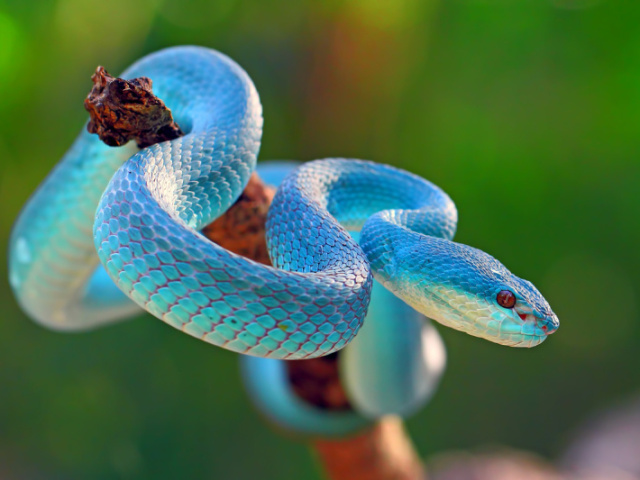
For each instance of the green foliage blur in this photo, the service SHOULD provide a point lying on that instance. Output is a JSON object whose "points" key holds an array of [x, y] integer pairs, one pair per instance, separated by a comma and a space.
{"points": [[526, 112]]}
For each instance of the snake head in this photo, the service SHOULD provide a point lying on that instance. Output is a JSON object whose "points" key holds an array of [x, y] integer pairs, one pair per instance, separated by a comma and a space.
{"points": [[464, 288], [510, 310], [479, 295]]}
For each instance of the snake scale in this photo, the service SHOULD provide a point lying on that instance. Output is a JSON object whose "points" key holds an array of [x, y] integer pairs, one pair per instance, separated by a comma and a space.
{"points": [[142, 212]]}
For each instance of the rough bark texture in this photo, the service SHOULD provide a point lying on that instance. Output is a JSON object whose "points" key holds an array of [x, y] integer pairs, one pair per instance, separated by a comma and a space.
{"points": [[124, 110], [242, 228]]}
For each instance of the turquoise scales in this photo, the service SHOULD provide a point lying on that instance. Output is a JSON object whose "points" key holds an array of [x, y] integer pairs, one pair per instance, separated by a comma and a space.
{"points": [[154, 202]]}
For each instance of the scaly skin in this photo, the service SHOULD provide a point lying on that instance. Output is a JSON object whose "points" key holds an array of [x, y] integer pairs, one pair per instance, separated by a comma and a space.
{"points": [[146, 233], [392, 367]]}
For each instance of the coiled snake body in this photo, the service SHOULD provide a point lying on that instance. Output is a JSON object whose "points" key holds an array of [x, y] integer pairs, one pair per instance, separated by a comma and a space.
{"points": [[152, 203]]}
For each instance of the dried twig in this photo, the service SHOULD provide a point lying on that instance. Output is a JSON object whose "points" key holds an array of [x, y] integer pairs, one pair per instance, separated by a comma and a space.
{"points": [[383, 452], [123, 110]]}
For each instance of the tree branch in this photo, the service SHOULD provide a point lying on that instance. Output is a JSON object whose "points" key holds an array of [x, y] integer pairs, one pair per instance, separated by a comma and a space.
{"points": [[383, 452]]}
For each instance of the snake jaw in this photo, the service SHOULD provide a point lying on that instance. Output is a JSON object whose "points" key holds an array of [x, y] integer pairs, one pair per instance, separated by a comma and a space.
{"points": [[478, 316], [534, 324], [518, 327]]}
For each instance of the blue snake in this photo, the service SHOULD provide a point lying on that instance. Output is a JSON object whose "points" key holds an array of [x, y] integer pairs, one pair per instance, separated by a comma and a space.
{"points": [[142, 212]]}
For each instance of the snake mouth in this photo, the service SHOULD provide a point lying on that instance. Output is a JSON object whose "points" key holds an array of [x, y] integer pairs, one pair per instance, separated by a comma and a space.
{"points": [[536, 324], [522, 329], [512, 334], [510, 331]]}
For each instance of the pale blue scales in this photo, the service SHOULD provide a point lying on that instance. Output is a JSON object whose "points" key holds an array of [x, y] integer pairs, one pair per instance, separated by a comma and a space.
{"points": [[152, 203]]}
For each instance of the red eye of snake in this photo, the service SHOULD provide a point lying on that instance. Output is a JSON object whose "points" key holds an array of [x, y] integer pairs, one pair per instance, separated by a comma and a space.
{"points": [[506, 298]]}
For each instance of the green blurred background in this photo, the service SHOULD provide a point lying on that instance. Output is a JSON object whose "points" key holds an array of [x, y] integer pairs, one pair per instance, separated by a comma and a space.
{"points": [[525, 111]]}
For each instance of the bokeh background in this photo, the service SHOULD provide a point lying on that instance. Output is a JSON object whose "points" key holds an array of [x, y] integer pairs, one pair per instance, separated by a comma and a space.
{"points": [[526, 112]]}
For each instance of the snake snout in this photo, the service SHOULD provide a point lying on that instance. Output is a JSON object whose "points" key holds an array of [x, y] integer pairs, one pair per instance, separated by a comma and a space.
{"points": [[549, 323]]}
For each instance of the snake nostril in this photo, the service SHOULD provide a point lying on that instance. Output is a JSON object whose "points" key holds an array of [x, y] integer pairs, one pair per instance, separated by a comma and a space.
{"points": [[550, 326]]}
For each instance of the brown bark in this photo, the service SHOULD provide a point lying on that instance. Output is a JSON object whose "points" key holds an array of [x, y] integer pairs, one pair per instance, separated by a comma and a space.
{"points": [[124, 110], [242, 228]]}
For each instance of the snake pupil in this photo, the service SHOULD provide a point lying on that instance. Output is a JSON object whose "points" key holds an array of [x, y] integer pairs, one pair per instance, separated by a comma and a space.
{"points": [[506, 299]]}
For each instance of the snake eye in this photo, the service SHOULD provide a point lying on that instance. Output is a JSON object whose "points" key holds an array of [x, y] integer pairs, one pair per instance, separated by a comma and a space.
{"points": [[506, 298]]}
